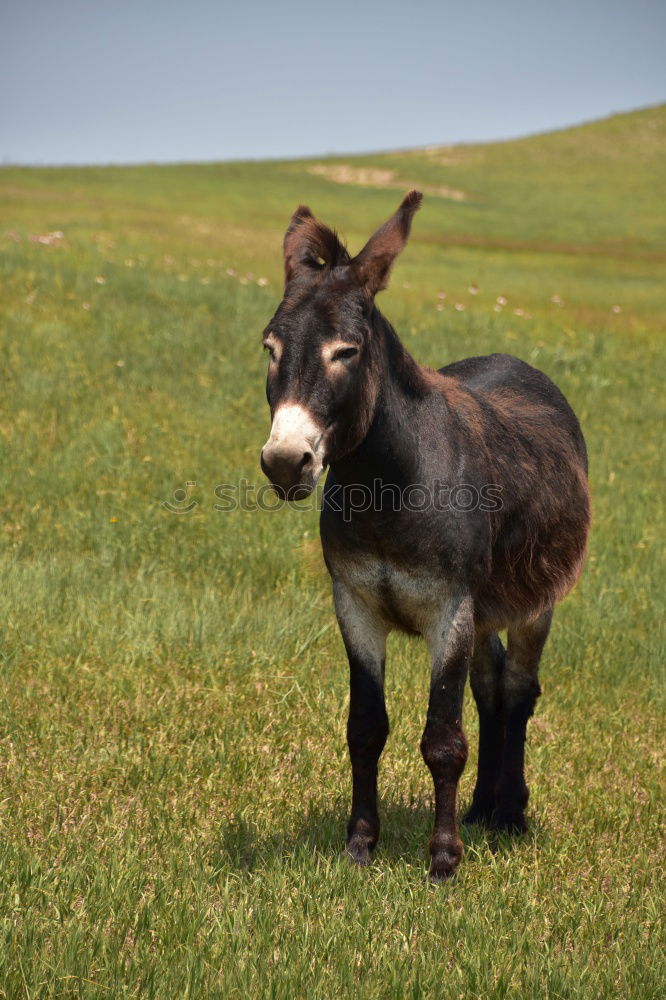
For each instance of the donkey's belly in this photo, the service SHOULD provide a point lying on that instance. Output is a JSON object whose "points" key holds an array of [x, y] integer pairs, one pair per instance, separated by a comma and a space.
{"points": [[406, 598]]}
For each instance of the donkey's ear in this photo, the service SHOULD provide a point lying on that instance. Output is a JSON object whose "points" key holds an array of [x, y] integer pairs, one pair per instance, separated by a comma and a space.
{"points": [[310, 246], [373, 264], [293, 239]]}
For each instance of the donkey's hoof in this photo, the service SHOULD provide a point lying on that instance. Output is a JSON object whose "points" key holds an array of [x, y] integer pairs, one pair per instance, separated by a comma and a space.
{"points": [[442, 868], [481, 813], [510, 821], [444, 861], [358, 851]]}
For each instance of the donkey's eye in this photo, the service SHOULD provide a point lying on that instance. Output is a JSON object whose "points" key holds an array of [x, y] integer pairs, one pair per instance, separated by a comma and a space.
{"points": [[345, 354], [271, 352]]}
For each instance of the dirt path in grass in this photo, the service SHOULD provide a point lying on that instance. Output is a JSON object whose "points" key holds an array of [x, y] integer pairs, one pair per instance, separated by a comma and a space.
{"points": [[377, 177]]}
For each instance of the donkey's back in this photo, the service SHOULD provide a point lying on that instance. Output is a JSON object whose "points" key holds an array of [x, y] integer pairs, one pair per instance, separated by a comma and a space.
{"points": [[491, 374]]}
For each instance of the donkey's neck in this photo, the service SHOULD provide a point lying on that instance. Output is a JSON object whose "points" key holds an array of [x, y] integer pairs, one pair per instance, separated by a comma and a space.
{"points": [[389, 450]]}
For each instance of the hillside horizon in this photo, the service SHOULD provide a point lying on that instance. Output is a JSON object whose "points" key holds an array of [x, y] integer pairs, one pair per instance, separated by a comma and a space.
{"points": [[612, 116]]}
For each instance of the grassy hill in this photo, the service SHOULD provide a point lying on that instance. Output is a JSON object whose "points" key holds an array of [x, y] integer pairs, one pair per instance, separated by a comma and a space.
{"points": [[173, 770]]}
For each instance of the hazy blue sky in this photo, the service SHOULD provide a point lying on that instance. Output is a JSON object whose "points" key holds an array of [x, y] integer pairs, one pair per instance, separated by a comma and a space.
{"points": [[85, 81]]}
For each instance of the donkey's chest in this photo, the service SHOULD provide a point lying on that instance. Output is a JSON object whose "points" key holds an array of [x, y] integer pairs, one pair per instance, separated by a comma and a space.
{"points": [[404, 596]]}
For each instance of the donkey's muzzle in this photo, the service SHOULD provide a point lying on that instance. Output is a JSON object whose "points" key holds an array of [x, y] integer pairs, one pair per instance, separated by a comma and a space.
{"points": [[291, 472], [292, 456]]}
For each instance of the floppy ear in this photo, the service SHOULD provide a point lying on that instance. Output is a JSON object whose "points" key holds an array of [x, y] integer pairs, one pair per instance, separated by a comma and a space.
{"points": [[373, 264], [310, 246]]}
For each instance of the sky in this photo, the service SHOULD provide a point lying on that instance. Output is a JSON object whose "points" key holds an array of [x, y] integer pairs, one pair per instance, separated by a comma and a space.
{"points": [[126, 81]]}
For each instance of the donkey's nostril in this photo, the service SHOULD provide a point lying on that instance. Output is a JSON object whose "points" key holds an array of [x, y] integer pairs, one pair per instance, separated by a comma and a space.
{"points": [[286, 466]]}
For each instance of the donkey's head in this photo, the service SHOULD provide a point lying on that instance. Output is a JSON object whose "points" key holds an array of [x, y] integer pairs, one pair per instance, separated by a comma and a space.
{"points": [[325, 363]]}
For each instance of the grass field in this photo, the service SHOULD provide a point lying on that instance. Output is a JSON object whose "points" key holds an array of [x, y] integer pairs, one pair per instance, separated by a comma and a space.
{"points": [[173, 769]]}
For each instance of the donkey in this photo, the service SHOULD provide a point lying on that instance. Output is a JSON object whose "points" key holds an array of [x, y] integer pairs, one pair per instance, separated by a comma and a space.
{"points": [[414, 445]]}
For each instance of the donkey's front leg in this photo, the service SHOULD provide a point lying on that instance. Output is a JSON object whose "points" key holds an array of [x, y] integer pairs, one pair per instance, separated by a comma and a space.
{"points": [[444, 747], [367, 727]]}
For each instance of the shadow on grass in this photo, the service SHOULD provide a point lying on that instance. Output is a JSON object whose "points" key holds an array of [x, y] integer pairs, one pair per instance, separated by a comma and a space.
{"points": [[405, 831]]}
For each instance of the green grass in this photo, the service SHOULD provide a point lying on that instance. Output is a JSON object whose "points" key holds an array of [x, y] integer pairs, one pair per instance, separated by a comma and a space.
{"points": [[173, 771]]}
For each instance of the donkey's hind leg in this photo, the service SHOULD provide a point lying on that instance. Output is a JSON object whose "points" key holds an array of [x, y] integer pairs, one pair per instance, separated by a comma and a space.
{"points": [[520, 690], [486, 671]]}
